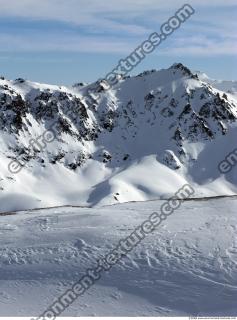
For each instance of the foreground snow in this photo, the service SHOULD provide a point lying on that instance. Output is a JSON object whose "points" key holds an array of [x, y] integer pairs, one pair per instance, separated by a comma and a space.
{"points": [[186, 267]]}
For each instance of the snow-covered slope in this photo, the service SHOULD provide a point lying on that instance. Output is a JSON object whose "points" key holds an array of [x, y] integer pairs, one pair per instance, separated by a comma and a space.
{"points": [[142, 139], [185, 267], [224, 85]]}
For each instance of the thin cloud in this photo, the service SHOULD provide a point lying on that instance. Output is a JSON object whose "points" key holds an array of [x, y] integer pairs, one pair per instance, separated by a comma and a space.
{"points": [[119, 26], [64, 43]]}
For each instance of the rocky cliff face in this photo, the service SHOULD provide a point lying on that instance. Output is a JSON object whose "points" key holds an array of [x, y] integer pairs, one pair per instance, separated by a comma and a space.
{"points": [[166, 113]]}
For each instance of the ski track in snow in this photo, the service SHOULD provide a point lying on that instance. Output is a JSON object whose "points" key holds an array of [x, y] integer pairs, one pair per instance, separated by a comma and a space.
{"points": [[186, 267]]}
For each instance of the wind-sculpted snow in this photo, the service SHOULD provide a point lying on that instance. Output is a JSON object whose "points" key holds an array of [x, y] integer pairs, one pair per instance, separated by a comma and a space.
{"points": [[186, 267], [142, 139]]}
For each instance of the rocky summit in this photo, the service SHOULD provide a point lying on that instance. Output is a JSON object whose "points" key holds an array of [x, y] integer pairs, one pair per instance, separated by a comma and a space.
{"points": [[90, 144]]}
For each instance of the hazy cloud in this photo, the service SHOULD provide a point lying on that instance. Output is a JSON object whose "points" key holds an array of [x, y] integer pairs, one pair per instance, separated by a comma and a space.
{"points": [[116, 26]]}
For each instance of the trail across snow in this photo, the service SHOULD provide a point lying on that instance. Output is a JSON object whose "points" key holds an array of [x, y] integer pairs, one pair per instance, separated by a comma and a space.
{"points": [[186, 267]]}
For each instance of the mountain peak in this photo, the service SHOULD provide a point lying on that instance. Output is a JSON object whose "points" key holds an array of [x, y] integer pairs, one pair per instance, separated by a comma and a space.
{"points": [[185, 70], [158, 123]]}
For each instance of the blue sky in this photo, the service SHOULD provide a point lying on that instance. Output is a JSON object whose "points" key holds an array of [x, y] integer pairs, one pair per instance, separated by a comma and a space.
{"points": [[67, 41]]}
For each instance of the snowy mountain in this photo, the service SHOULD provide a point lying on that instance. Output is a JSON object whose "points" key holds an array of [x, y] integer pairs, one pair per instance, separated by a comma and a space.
{"points": [[224, 85], [142, 139]]}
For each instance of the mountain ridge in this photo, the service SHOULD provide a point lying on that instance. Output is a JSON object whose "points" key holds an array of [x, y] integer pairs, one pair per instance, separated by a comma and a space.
{"points": [[142, 139]]}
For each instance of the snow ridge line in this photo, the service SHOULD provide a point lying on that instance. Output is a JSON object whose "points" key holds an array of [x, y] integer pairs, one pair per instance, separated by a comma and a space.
{"points": [[154, 40], [124, 66]]}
